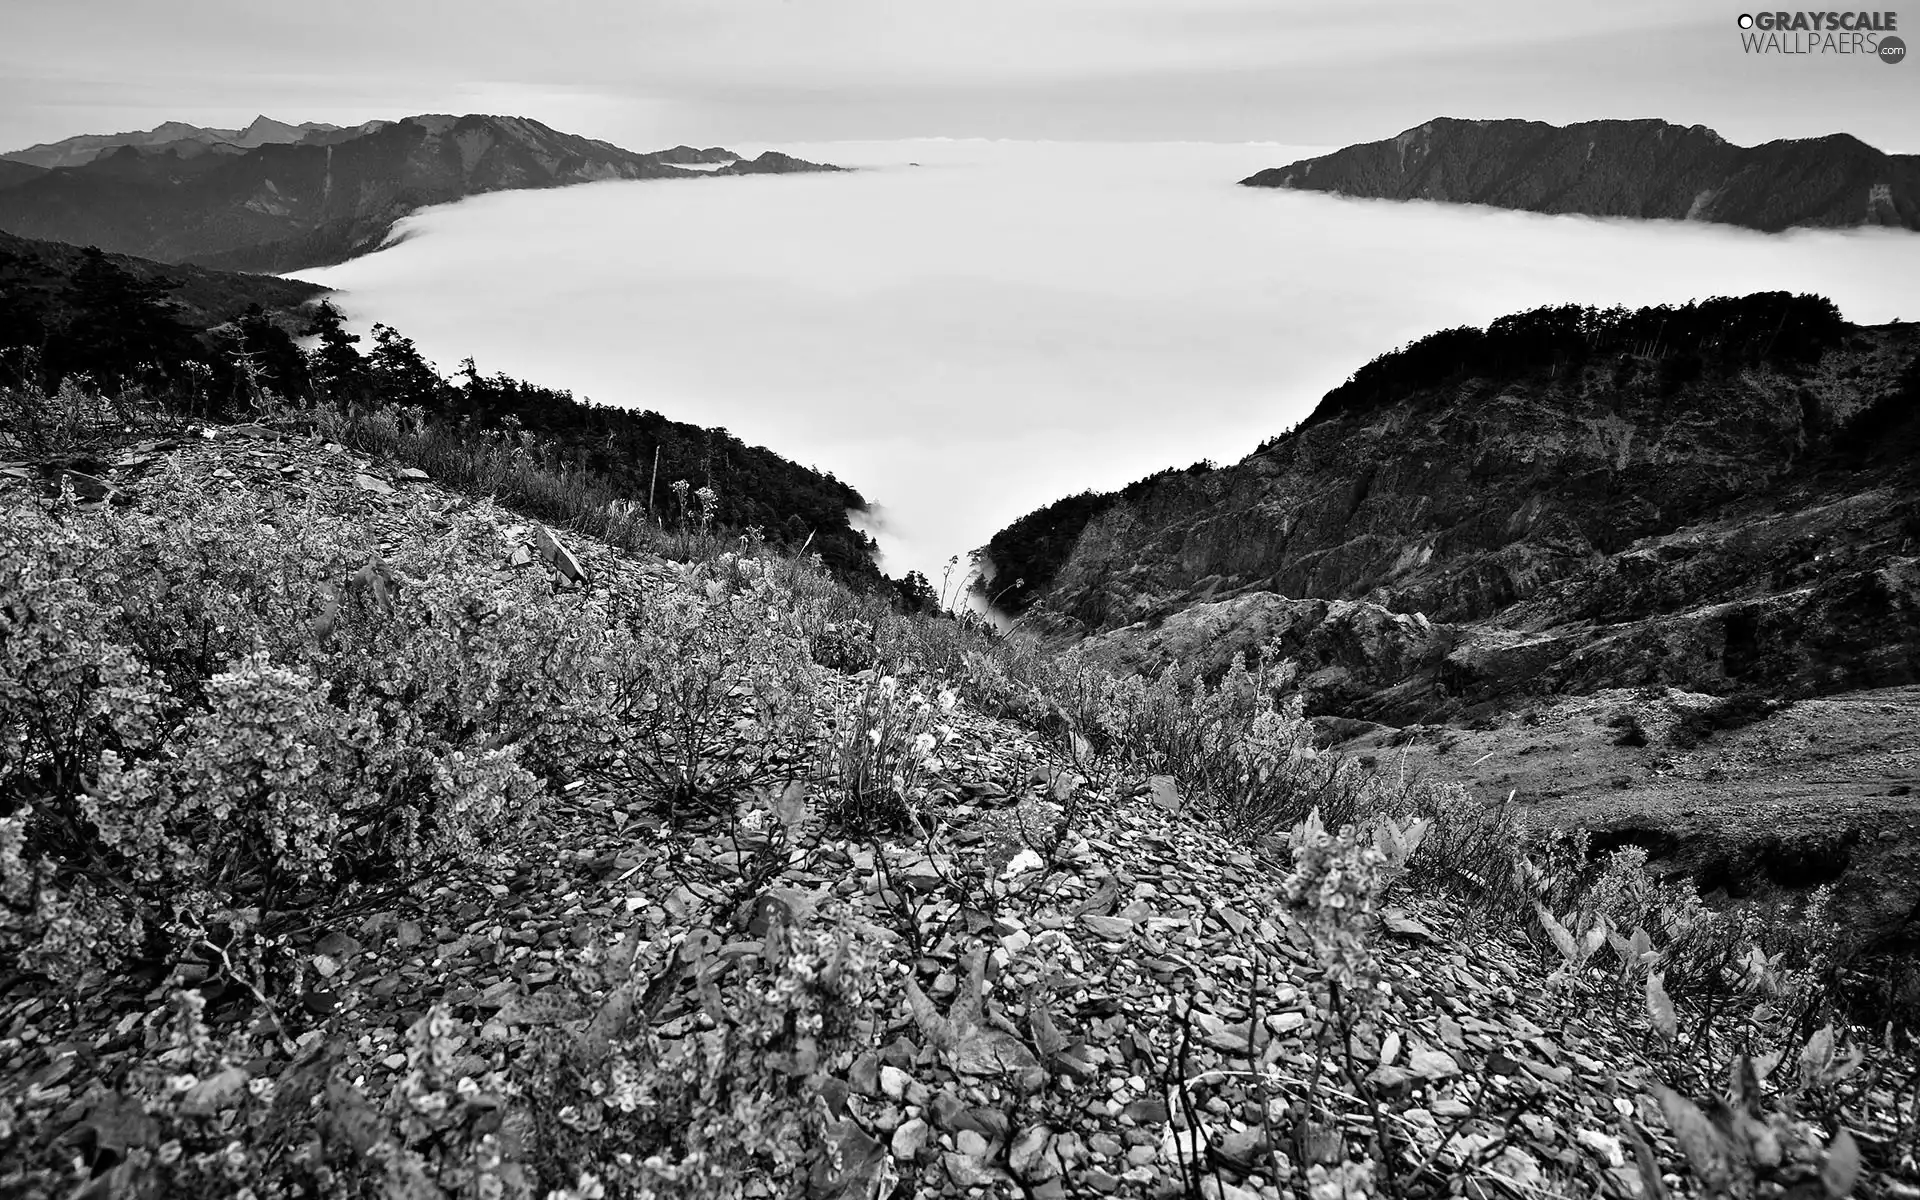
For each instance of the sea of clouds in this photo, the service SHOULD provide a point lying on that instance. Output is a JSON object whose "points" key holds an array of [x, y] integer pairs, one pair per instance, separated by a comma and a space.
{"points": [[1006, 323]]}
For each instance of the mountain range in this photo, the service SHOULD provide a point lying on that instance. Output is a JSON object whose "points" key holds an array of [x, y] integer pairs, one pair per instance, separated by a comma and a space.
{"points": [[1642, 168], [305, 196], [77, 151]]}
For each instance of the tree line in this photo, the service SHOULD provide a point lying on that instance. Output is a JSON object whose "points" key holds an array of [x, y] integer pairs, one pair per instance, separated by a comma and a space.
{"points": [[88, 316]]}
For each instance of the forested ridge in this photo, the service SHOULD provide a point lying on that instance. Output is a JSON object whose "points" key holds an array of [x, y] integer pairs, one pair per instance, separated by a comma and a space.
{"points": [[211, 343], [1678, 344]]}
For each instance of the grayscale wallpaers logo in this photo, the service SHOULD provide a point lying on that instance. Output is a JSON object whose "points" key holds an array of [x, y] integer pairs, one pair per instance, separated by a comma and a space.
{"points": [[1868, 34]]}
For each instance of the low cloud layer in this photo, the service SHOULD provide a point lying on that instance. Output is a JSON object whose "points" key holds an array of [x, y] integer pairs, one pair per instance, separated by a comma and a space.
{"points": [[1007, 323]]}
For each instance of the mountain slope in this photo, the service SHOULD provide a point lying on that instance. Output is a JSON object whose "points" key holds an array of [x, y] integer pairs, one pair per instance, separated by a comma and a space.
{"points": [[202, 298], [282, 207], [1562, 502], [17, 172], [1141, 996], [1556, 557], [180, 333], [1646, 168]]}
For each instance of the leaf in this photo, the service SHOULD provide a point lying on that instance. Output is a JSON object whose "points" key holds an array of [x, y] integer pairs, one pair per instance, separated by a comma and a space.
{"points": [[1310, 830], [1387, 840], [374, 577], [1840, 1170], [967, 1009], [328, 618], [1621, 947], [1046, 1035], [791, 808], [1652, 1185], [859, 1168], [1642, 943], [1390, 1048], [1817, 1057], [1596, 935], [1743, 1085], [1082, 749], [1762, 1144], [936, 1028], [1414, 834], [1846, 1067], [1660, 1007], [1164, 792], [1562, 940], [1706, 1150]]}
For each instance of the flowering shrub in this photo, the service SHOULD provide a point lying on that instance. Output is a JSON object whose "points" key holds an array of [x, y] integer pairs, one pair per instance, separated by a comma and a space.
{"points": [[204, 700], [882, 754], [1334, 890], [731, 1106], [199, 1116], [704, 695]]}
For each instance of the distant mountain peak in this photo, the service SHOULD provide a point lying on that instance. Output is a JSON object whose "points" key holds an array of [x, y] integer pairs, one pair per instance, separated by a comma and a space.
{"points": [[1641, 167], [87, 147], [278, 197]]}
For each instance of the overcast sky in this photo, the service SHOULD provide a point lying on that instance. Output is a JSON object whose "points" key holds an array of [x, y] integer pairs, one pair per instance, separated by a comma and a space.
{"points": [[647, 73]]}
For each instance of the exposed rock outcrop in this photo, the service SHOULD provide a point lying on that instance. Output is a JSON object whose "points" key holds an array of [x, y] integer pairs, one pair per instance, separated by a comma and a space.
{"points": [[1610, 523]]}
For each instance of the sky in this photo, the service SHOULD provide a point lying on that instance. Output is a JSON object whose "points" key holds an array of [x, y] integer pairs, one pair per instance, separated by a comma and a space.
{"points": [[651, 73]]}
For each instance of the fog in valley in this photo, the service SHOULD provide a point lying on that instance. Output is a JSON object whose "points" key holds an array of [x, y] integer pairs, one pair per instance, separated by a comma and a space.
{"points": [[1005, 323]]}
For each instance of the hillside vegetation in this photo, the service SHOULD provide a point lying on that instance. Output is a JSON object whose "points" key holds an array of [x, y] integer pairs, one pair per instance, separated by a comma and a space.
{"points": [[107, 339], [1663, 349], [360, 835]]}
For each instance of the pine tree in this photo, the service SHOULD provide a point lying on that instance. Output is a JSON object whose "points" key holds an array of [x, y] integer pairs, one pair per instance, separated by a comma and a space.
{"points": [[334, 365], [122, 325]]}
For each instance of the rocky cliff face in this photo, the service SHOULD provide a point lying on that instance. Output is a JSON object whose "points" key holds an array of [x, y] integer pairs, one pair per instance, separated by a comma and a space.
{"points": [[281, 207], [1670, 596], [1623, 169], [1558, 530]]}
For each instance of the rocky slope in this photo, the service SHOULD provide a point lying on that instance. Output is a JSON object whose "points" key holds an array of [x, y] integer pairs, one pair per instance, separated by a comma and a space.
{"points": [[1450, 549], [332, 195], [1140, 1008], [1470, 520], [1643, 168]]}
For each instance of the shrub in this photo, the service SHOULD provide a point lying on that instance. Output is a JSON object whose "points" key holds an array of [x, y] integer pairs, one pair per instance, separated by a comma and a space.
{"points": [[704, 695], [206, 704], [881, 755]]}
